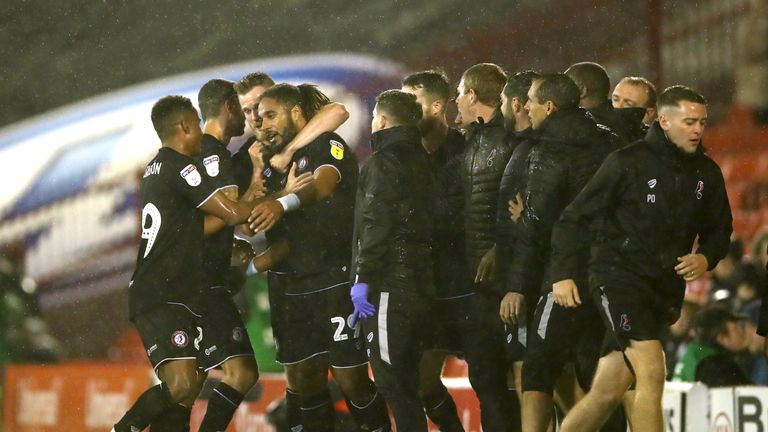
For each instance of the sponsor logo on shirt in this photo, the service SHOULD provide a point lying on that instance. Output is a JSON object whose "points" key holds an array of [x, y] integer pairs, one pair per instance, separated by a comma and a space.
{"points": [[304, 161], [337, 150], [151, 350], [652, 183], [211, 164], [180, 339], [208, 351], [268, 172], [191, 175]]}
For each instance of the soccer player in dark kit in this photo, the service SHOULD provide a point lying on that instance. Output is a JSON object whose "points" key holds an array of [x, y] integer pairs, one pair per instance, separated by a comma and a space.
{"points": [[164, 293], [310, 322], [655, 197]]}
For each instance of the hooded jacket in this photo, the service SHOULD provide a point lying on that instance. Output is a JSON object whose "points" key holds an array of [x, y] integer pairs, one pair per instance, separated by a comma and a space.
{"points": [[393, 215], [654, 200], [570, 148]]}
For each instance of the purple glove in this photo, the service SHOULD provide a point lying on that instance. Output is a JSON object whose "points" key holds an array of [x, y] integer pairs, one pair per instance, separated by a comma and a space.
{"points": [[363, 309]]}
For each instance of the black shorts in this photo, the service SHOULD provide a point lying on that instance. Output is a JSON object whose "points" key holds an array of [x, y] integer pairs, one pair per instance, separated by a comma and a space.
{"points": [[308, 325], [560, 335], [224, 334], [170, 332], [633, 309]]}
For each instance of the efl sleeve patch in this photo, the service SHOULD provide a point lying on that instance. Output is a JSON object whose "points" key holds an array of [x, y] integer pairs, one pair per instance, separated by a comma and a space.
{"points": [[337, 150], [212, 165], [191, 175]]}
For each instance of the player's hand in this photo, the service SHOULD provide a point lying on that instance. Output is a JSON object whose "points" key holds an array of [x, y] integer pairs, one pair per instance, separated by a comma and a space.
{"points": [[363, 308], [280, 161], [486, 266], [265, 215], [256, 152], [691, 266], [566, 294], [516, 207], [293, 183], [512, 307]]}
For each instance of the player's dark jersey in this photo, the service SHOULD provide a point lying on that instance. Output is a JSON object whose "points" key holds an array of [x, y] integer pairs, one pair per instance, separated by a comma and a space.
{"points": [[320, 234], [217, 162], [169, 266]]}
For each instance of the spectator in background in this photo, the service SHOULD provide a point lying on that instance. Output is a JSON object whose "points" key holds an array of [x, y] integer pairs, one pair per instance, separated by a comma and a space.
{"points": [[727, 273], [711, 358]]}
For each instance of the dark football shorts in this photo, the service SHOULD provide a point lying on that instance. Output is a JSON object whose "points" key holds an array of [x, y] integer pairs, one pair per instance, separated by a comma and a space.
{"points": [[632, 309], [557, 336], [308, 325], [224, 334], [170, 332]]}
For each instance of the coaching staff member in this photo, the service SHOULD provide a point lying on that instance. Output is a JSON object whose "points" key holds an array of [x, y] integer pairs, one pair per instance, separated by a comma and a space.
{"points": [[655, 196]]}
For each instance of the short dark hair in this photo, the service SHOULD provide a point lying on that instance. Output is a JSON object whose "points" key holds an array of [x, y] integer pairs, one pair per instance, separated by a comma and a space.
{"points": [[212, 96], [167, 112], [592, 77], [307, 96], [434, 82], [252, 80], [487, 80], [518, 85], [672, 96], [558, 88], [400, 107]]}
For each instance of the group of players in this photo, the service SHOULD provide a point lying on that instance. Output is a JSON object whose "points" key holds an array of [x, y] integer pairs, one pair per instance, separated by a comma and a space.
{"points": [[547, 240]]}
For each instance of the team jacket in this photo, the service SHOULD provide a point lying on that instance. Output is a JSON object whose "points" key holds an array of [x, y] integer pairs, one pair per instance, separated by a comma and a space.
{"points": [[485, 158], [393, 216], [570, 148], [654, 201], [513, 181]]}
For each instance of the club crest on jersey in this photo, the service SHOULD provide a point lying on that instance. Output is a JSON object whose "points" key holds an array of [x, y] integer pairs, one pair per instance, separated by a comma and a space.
{"points": [[237, 334], [699, 189], [304, 161], [211, 164], [337, 150], [180, 339], [652, 183], [191, 175]]}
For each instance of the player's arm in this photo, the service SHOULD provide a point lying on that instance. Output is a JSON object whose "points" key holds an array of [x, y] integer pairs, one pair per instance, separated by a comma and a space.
{"points": [[328, 119], [275, 253], [323, 182], [229, 211], [715, 235]]}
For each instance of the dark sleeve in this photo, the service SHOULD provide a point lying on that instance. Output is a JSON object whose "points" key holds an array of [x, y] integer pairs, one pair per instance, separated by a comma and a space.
{"points": [[542, 203], [334, 153], [715, 235], [218, 166], [242, 167], [378, 217], [192, 182], [571, 233], [721, 371], [449, 200]]}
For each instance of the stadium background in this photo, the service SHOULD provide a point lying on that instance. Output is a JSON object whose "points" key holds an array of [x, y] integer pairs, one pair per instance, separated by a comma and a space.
{"points": [[56, 54]]}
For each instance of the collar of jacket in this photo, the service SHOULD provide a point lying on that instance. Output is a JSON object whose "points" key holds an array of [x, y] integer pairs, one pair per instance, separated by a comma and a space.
{"points": [[497, 120], [662, 146], [389, 136], [573, 126]]}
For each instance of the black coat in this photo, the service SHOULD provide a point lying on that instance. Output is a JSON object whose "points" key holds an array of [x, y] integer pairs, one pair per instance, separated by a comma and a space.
{"points": [[654, 201], [393, 214], [485, 158], [627, 123], [570, 148]]}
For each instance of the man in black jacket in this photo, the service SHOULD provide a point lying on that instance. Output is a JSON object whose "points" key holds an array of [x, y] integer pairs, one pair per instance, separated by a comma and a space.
{"points": [[654, 198], [444, 146], [570, 148], [636, 92], [485, 156], [393, 288], [594, 86]]}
